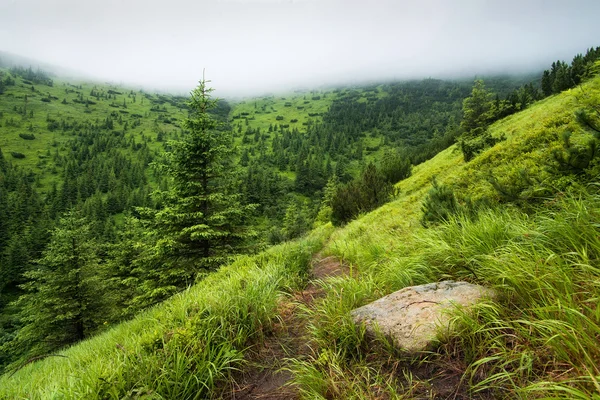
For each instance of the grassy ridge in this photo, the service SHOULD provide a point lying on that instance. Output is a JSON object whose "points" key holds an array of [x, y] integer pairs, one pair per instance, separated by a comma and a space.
{"points": [[181, 348], [538, 340], [304, 107], [299, 110]]}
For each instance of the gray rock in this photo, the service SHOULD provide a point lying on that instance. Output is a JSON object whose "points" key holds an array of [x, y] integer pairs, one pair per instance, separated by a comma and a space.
{"points": [[411, 317]]}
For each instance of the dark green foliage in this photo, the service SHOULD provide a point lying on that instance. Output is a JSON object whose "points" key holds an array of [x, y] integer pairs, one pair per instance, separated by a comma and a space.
{"points": [[64, 295], [579, 158], [439, 204], [345, 204], [296, 220], [477, 141], [522, 190], [127, 259], [478, 113], [546, 83], [575, 159], [395, 166], [398, 116], [265, 188], [477, 109], [363, 194], [30, 75], [587, 121], [562, 76], [16, 154], [27, 136], [202, 223]]}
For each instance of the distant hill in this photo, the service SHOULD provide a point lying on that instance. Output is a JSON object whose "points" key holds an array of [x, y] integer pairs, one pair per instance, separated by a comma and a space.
{"points": [[9, 60]]}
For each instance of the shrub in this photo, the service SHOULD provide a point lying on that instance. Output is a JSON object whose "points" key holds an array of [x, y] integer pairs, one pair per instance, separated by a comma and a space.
{"points": [[364, 194], [27, 136], [395, 166], [439, 204], [479, 140], [16, 154]]}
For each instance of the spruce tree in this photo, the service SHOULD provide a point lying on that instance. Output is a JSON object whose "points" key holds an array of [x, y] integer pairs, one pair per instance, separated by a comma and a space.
{"points": [[363, 194], [546, 83], [440, 203], [477, 109], [478, 113], [63, 299], [203, 222]]}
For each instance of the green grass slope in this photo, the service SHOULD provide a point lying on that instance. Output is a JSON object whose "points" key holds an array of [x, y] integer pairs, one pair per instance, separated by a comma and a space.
{"points": [[52, 114], [296, 110], [537, 340]]}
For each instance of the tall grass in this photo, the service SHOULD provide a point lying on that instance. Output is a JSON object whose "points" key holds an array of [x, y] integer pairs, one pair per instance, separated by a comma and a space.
{"points": [[541, 337], [537, 339], [182, 349]]}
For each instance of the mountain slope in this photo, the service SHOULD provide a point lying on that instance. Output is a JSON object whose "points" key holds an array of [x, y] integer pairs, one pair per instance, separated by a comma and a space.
{"points": [[535, 241], [544, 262]]}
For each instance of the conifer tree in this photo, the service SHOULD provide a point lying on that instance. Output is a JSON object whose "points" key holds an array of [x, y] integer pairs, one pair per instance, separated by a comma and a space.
{"points": [[363, 194], [439, 204], [476, 108], [478, 113], [546, 83], [63, 299], [203, 222]]}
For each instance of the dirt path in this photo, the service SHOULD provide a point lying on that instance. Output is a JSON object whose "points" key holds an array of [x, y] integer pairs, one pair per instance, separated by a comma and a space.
{"points": [[266, 376]]}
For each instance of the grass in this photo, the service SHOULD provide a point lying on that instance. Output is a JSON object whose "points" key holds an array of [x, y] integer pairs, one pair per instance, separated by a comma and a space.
{"points": [[182, 348], [260, 113], [547, 324], [538, 339]]}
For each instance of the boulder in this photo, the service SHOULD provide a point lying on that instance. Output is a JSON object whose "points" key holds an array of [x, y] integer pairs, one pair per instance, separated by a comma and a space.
{"points": [[412, 316]]}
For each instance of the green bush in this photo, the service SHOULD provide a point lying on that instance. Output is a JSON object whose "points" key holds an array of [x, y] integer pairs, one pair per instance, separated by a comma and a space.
{"points": [[479, 140], [363, 194], [395, 166], [27, 136], [439, 204]]}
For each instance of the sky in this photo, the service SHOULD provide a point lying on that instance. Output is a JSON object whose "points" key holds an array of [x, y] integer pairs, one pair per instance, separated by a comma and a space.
{"points": [[258, 46]]}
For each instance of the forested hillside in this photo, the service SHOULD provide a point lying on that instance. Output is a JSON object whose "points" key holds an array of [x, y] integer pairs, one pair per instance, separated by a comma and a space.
{"points": [[113, 200]]}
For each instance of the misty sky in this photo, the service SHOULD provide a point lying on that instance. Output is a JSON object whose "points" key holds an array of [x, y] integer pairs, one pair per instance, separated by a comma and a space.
{"points": [[254, 46]]}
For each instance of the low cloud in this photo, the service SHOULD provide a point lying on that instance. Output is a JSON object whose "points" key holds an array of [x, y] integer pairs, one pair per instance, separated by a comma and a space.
{"points": [[254, 46]]}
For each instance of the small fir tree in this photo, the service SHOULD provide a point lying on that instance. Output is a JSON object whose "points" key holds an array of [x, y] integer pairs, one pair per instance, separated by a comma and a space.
{"points": [[439, 204], [478, 113]]}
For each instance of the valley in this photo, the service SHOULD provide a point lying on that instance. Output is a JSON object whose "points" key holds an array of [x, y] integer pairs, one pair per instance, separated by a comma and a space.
{"points": [[151, 244]]}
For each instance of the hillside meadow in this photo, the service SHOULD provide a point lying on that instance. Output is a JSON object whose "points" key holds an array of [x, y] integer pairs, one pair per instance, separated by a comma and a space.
{"points": [[527, 226]]}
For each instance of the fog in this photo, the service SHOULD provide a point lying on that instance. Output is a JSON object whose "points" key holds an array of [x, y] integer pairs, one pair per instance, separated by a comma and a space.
{"points": [[255, 46]]}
